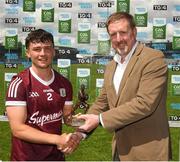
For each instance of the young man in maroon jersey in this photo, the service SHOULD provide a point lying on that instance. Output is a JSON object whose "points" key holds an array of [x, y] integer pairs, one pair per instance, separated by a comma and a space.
{"points": [[37, 100]]}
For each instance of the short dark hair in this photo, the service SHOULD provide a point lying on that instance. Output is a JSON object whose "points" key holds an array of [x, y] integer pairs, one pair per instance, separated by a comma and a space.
{"points": [[121, 15], [37, 36]]}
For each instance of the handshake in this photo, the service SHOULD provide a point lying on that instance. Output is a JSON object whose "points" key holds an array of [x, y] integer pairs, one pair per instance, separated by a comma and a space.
{"points": [[84, 124], [67, 143]]}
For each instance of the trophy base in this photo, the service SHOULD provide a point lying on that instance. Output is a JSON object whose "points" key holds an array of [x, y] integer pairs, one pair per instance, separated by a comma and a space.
{"points": [[77, 122]]}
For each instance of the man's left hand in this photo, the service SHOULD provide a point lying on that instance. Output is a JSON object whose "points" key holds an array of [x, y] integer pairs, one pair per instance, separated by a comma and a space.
{"points": [[91, 122]]}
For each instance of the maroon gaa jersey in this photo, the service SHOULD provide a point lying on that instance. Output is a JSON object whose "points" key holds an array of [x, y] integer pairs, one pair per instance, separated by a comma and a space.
{"points": [[44, 102]]}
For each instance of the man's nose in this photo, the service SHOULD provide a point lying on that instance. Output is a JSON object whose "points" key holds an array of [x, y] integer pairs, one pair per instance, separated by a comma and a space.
{"points": [[118, 37]]}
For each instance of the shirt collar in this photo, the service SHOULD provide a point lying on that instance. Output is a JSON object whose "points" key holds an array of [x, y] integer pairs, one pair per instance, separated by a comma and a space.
{"points": [[117, 57], [41, 80]]}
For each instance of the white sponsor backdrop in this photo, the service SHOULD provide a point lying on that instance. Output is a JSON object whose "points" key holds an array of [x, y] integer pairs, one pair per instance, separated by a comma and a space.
{"points": [[80, 25]]}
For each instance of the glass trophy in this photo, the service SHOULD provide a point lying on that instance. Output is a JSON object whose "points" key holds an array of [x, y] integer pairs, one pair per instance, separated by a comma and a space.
{"points": [[75, 122], [80, 104]]}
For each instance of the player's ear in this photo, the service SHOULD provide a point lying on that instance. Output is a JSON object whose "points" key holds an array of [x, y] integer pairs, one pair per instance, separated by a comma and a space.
{"points": [[27, 53]]}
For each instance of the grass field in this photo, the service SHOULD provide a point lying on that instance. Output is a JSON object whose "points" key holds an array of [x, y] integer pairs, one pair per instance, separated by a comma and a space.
{"points": [[98, 146]]}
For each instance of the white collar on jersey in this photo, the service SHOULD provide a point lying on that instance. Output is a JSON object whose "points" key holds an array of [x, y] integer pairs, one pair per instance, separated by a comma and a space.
{"points": [[41, 80]]}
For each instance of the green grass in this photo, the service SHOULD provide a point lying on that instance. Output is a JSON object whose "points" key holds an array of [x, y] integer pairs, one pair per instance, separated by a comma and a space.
{"points": [[98, 146], [5, 141]]}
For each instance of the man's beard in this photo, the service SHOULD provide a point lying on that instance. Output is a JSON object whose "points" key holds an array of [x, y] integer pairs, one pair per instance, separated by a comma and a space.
{"points": [[122, 51]]}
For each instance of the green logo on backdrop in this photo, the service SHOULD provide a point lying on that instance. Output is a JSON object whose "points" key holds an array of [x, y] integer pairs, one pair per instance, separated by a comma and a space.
{"points": [[159, 32], [104, 47], [176, 43], [29, 5], [7, 80], [11, 42], [65, 26], [47, 15], [176, 89], [123, 5], [64, 67], [99, 84], [141, 20], [83, 80], [65, 72], [84, 36], [83, 77]]}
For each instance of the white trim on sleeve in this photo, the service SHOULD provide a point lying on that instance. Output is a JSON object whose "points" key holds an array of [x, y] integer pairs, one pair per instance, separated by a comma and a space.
{"points": [[68, 102], [15, 103]]}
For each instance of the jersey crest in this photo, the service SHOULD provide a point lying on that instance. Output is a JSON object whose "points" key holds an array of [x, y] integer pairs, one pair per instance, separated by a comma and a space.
{"points": [[62, 92]]}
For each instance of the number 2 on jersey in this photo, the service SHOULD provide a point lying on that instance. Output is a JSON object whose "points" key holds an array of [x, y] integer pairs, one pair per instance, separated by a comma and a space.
{"points": [[49, 97]]}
